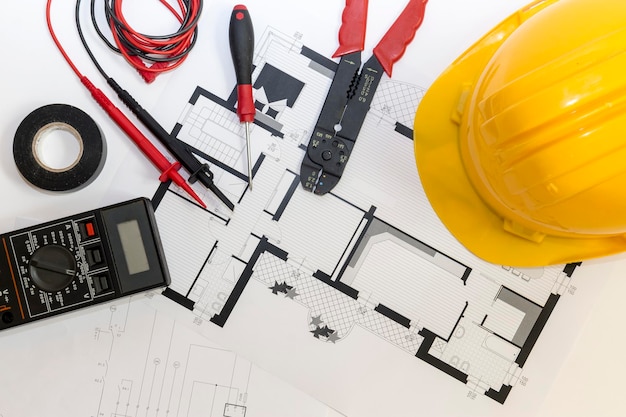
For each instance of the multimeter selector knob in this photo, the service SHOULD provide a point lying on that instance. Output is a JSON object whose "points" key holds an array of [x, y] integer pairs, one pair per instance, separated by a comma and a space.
{"points": [[52, 268]]}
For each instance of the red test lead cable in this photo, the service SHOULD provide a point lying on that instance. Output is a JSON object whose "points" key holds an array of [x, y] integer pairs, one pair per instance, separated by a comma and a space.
{"points": [[169, 171]]}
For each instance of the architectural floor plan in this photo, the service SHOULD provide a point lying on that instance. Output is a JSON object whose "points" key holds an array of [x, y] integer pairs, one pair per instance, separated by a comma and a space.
{"points": [[371, 254]]}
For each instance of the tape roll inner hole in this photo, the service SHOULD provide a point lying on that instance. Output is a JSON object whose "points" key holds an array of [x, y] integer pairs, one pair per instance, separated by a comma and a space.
{"points": [[58, 147]]}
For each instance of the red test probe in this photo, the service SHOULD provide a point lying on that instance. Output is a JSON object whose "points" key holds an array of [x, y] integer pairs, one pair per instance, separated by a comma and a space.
{"points": [[169, 171]]}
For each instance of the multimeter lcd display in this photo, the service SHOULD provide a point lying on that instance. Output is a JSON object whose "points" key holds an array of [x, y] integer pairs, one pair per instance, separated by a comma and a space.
{"points": [[133, 247]]}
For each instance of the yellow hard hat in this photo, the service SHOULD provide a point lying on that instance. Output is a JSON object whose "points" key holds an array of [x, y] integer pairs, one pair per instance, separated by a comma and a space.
{"points": [[521, 143]]}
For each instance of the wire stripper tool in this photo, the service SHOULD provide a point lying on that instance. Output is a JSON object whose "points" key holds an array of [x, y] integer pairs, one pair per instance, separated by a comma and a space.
{"points": [[352, 90]]}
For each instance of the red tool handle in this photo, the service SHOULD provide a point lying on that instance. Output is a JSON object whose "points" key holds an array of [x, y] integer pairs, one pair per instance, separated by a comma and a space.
{"points": [[392, 46], [352, 31]]}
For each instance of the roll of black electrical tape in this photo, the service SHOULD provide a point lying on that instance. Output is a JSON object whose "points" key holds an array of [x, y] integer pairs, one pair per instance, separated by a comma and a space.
{"points": [[42, 121]]}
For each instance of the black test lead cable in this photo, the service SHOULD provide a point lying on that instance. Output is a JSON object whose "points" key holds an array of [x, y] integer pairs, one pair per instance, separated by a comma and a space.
{"points": [[164, 52], [197, 170]]}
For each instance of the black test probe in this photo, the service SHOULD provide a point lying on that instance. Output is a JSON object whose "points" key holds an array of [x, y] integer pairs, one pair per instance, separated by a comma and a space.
{"points": [[197, 171]]}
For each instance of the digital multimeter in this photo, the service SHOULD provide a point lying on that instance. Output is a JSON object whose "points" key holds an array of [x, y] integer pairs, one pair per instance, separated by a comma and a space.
{"points": [[79, 261]]}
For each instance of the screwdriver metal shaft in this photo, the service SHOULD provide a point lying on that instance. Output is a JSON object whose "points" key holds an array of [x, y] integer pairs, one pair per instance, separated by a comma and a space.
{"points": [[249, 154], [241, 39]]}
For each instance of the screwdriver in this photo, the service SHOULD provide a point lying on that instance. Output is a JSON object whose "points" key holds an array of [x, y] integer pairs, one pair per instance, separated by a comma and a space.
{"points": [[241, 39]]}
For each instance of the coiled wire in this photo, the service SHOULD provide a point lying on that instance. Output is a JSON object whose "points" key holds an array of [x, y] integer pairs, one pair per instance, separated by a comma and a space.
{"points": [[150, 54]]}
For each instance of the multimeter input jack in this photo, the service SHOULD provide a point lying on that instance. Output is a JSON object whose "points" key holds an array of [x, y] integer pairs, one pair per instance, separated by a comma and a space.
{"points": [[7, 317]]}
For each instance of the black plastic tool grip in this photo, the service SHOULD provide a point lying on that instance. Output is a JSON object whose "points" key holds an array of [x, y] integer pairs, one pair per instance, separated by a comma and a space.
{"points": [[241, 38]]}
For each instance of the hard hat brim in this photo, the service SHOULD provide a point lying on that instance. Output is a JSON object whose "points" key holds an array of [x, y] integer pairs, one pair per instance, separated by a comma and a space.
{"points": [[445, 181]]}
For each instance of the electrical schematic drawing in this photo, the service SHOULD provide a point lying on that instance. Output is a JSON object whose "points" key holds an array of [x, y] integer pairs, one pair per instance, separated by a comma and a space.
{"points": [[371, 253], [179, 376]]}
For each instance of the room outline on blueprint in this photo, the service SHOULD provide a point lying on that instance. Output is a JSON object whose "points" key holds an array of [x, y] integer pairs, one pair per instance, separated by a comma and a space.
{"points": [[371, 253], [177, 377]]}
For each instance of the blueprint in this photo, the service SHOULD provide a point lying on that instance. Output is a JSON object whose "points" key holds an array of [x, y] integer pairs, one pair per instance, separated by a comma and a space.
{"points": [[360, 297], [128, 359]]}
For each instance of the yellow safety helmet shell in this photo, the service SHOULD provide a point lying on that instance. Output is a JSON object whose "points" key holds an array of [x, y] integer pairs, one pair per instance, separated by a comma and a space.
{"points": [[521, 143]]}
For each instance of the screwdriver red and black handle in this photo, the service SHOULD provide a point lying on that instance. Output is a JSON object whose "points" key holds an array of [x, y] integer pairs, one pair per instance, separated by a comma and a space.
{"points": [[241, 38]]}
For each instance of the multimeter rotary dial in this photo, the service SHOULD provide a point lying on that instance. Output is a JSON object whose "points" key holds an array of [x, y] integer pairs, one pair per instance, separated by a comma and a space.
{"points": [[52, 268]]}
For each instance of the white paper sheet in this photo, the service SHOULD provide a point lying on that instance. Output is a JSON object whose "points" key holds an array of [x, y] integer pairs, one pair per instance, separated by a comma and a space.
{"points": [[360, 297], [363, 360]]}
